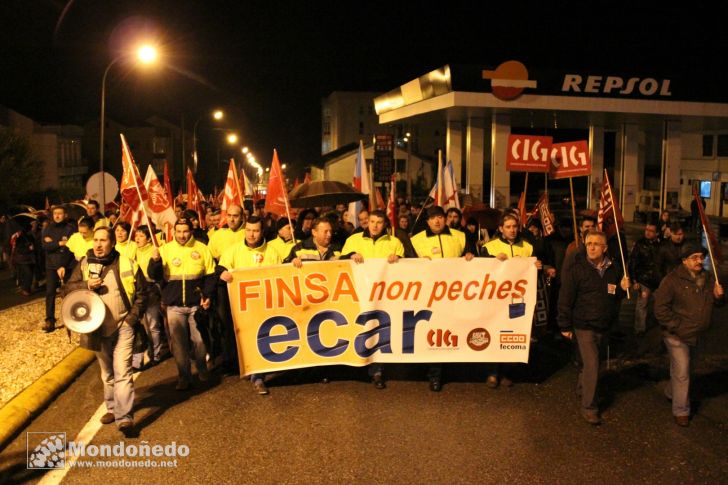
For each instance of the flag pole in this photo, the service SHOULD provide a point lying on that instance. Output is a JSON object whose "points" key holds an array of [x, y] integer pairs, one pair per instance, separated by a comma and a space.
{"points": [[616, 224], [573, 212], [134, 173]]}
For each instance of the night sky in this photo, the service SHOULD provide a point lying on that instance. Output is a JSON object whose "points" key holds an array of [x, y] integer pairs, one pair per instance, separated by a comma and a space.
{"points": [[269, 63]]}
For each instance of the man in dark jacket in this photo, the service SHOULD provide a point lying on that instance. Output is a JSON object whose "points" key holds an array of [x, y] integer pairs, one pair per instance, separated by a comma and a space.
{"points": [[59, 261], [683, 306], [591, 288], [645, 274], [670, 250]]}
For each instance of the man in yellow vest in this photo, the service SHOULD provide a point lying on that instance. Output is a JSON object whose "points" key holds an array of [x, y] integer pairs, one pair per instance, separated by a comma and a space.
{"points": [[80, 242], [123, 289], [374, 242], [220, 240], [439, 241], [252, 253], [509, 244], [283, 243], [188, 271]]}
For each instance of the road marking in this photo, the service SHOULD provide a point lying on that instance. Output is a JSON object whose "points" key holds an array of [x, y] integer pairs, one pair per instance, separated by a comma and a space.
{"points": [[87, 433]]}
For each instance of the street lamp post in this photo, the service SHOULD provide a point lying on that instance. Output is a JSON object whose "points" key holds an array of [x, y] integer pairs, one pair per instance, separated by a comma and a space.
{"points": [[216, 115], [146, 55]]}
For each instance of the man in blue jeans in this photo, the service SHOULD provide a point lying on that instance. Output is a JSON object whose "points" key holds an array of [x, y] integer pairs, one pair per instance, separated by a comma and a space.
{"points": [[188, 271], [683, 306]]}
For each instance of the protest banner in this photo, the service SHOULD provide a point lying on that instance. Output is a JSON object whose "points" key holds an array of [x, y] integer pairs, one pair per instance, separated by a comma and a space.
{"points": [[416, 310]]}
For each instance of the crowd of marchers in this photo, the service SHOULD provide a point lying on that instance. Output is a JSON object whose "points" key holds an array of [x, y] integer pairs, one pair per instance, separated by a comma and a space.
{"points": [[169, 298]]}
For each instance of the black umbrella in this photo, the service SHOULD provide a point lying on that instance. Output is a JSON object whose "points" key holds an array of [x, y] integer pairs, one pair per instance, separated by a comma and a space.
{"points": [[324, 193]]}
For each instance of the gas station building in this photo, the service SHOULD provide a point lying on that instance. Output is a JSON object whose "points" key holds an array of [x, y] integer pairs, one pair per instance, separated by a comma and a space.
{"points": [[657, 137]]}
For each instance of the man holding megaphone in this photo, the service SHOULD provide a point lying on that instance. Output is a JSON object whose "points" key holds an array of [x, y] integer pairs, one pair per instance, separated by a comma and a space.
{"points": [[121, 286]]}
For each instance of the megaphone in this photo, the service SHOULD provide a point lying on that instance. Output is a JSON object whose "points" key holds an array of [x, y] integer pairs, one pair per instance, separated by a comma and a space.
{"points": [[82, 311]]}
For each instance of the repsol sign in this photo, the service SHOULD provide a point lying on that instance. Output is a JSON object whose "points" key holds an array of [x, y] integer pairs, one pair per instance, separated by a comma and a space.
{"points": [[615, 85]]}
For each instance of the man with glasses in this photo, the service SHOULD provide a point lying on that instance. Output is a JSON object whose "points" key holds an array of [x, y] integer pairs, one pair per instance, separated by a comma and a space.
{"points": [[592, 286], [683, 306]]}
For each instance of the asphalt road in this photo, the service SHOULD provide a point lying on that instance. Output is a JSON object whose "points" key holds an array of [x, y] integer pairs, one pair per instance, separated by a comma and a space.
{"points": [[344, 431]]}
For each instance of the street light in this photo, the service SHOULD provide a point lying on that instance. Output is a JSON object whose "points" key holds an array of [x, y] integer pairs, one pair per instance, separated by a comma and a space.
{"points": [[146, 54], [216, 115], [232, 138]]}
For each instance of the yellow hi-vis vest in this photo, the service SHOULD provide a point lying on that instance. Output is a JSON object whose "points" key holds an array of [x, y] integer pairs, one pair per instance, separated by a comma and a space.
{"points": [[127, 272], [450, 243], [519, 249], [383, 247], [186, 263], [222, 239]]}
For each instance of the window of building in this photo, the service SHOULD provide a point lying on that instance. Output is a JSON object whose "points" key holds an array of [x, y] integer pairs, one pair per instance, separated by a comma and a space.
{"points": [[722, 150], [708, 146]]}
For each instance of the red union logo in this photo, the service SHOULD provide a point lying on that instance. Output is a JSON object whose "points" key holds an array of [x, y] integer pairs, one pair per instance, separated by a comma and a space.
{"points": [[438, 338], [508, 80], [478, 339], [513, 338]]}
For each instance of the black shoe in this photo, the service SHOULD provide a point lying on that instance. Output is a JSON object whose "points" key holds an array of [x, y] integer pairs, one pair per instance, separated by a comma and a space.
{"points": [[49, 326], [435, 385], [378, 381], [127, 428], [107, 418]]}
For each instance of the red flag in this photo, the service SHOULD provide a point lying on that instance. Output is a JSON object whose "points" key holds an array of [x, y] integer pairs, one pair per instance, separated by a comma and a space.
{"points": [[194, 198], [710, 234], [380, 199], [132, 187], [391, 203], [276, 197], [545, 215], [608, 208], [522, 209], [231, 193], [160, 204], [307, 178]]}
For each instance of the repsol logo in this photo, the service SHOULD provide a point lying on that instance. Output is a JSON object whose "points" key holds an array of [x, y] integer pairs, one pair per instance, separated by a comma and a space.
{"points": [[575, 83]]}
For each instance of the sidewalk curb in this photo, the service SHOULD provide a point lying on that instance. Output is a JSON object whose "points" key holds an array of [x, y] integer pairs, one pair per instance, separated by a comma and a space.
{"points": [[26, 405]]}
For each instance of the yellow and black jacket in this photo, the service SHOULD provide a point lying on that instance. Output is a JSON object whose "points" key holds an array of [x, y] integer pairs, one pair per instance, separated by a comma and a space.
{"points": [[450, 243], [307, 251], [183, 269]]}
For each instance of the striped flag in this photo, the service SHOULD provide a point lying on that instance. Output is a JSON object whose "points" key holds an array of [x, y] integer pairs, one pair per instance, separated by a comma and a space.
{"points": [[361, 184], [609, 217]]}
